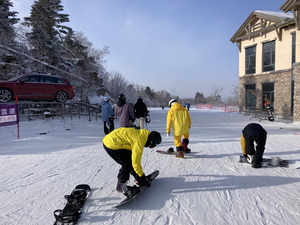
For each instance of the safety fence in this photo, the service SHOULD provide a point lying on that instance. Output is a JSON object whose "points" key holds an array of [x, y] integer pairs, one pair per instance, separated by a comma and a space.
{"points": [[31, 110], [225, 108]]}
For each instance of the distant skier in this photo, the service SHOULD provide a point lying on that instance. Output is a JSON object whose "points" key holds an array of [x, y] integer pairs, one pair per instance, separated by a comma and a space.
{"points": [[188, 105], [253, 132], [107, 115], [125, 112], [140, 112], [179, 118], [126, 146]]}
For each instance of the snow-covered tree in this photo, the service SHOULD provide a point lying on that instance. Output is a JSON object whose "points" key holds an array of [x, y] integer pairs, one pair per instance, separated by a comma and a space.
{"points": [[46, 21], [7, 39], [88, 63]]}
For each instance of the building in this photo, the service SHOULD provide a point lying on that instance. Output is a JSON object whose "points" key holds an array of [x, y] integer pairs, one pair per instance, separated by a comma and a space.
{"points": [[269, 61]]}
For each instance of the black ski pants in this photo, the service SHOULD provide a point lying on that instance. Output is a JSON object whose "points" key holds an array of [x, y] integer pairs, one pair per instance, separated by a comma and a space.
{"points": [[254, 132], [260, 148], [122, 157], [109, 129]]}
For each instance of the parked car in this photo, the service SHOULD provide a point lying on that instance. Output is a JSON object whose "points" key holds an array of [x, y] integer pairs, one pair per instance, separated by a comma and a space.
{"points": [[36, 87]]}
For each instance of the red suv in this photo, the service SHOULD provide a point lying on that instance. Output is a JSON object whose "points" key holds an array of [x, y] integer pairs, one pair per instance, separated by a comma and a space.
{"points": [[36, 87]]}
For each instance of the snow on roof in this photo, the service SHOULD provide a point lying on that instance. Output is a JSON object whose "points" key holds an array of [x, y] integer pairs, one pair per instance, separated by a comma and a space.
{"points": [[277, 14]]}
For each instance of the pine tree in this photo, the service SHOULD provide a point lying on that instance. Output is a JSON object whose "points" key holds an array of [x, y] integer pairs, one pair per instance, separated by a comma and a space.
{"points": [[7, 38], [46, 21], [7, 21]]}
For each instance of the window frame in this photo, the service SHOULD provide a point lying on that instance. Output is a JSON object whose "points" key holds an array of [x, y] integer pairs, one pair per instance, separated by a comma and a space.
{"points": [[248, 57], [268, 54]]}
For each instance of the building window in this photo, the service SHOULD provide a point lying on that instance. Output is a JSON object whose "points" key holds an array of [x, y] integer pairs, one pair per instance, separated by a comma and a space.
{"points": [[268, 94], [250, 96], [293, 47], [269, 56], [250, 59]]}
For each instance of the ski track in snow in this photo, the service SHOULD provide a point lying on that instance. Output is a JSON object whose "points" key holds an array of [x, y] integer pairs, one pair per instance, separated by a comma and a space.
{"points": [[203, 188]]}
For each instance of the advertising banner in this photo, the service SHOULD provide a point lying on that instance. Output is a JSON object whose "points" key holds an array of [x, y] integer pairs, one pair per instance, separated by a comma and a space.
{"points": [[8, 115]]}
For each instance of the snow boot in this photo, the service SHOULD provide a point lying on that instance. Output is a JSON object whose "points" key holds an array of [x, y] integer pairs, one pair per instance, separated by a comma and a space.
{"points": [[249, 158], [184, 144], [258, 165], [179, 152], [119, 187]]}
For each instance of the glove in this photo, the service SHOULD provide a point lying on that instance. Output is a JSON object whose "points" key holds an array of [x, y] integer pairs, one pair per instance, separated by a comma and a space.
{"points": [[144, 181], [168, 134]]}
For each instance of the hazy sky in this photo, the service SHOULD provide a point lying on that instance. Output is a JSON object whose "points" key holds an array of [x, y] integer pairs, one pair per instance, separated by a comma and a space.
{"points": [[181, 46]]}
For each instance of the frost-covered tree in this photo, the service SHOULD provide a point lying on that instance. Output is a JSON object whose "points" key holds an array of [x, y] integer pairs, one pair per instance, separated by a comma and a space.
{"points": [[7, 21], [116, 84], [46, 21], [88, 63], [7, 39]]}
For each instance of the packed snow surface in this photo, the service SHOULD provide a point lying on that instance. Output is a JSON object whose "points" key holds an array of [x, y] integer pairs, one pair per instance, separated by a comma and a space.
{"points": [[54, 155]]}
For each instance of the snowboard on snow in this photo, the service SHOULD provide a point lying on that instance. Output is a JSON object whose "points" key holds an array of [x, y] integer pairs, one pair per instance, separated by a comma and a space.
{"points": [[72, 211], [170, 152], [267, 162], [153, 175]]}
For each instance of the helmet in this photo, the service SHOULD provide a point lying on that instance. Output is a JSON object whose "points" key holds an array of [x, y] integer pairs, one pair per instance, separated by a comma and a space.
{"points": [[154, 139], [105, 99], [122, 97], [172, 101], [275, 161]]}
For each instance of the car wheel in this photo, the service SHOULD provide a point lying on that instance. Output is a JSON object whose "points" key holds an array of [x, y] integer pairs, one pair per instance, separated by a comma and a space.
{"points": [[61, 96], [5, 95]]}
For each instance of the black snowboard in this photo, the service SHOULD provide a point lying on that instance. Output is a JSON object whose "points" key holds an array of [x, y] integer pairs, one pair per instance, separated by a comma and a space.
{"points": [[291, 164], [73, 209], [270, 115], [142, 190]]}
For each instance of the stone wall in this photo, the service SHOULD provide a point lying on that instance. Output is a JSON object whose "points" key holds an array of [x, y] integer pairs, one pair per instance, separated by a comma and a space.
{"points": [[296, 72], [282, 91]]}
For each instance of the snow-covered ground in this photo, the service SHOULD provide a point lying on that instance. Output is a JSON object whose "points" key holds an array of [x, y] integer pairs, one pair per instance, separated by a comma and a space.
{"points": [[52, 156]]}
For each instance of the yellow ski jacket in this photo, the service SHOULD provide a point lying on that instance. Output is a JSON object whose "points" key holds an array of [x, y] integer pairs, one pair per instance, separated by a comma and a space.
{"points": [[179, 118], [243, 145], [130, 139]]}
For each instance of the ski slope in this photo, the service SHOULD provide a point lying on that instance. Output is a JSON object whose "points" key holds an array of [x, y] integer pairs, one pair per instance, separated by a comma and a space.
{"points": [[52, 156]]}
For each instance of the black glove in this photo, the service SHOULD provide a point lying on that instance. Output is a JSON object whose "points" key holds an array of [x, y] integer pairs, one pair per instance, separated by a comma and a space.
{"points": [[144, 181]]}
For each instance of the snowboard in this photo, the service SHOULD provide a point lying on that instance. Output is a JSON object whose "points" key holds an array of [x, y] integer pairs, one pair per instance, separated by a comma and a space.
{"points": [[171, 153], [73, 208], [267, 162], [166, 152], [153, 175], [270, 115]]}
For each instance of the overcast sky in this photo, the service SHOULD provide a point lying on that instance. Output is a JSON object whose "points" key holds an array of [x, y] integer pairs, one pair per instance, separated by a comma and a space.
{"points": [[181, 46]]}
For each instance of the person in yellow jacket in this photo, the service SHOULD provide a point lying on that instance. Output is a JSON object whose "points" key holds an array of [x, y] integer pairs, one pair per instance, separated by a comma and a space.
{"points": [[179, 118], [126, 145], [253, 132]]}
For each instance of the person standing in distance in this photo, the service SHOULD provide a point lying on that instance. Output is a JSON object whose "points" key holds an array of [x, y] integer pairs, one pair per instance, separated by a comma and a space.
{"points": [[140, 112], [124, 111], [179, 118], [107, 115]]}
